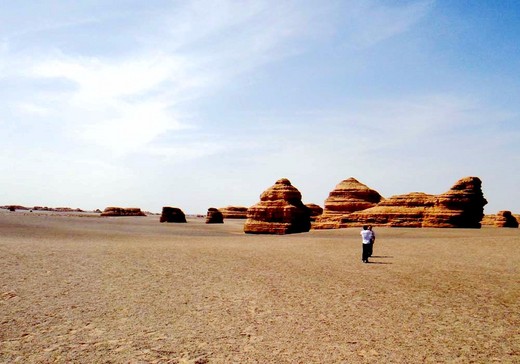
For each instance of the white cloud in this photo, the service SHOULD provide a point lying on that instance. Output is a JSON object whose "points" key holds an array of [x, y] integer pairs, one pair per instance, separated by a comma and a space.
{"points": [[125, 103]]}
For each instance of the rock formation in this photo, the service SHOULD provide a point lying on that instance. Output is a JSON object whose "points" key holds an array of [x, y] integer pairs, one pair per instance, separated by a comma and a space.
{"points": [[14, 207], [506, 219], [172, 214], [348, 196], [488, 220], [120, 211], [501, 219], [214, 216], [460, 207], [234, 212], [403, 210], [316, 210], [280, 211]]}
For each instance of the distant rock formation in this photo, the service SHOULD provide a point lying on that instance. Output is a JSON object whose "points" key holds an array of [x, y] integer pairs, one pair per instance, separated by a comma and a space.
{"points": [[461, 207], [66, 209], [14, 207], [488, 220], [42, 208], [280, 211], [348, 196], [214, 216], [120, 211], [501, 219], [234, 212], [505, 219], [172, 214], [316, 210]]}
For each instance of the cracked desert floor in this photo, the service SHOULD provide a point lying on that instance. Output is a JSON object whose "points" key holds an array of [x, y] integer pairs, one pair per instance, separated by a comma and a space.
{"points": [[85, 289]]}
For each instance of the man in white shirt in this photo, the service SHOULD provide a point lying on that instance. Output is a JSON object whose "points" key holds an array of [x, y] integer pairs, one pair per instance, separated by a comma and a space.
{"points": [[367, 236]]}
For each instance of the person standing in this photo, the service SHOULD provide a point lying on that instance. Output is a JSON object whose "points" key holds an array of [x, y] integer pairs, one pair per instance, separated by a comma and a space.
{"points": [[371, 250], [366, 236]]}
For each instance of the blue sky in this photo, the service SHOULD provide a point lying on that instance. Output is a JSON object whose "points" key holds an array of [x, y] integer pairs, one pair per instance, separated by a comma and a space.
{"points": [[199, 104]]}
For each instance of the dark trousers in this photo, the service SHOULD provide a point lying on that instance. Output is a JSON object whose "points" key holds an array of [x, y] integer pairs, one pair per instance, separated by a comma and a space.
{"points": [[371, 249], [366, 251]]}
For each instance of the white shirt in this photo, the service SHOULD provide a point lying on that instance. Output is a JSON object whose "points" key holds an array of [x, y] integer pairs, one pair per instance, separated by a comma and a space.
{"points": [[367, 236]]}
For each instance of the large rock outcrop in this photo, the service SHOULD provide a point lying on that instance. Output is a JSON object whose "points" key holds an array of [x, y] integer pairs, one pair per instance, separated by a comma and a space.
{"points": [[214, 216], [402, 210], [120, 211], [460, 207], [172, 214], [234, 212], [280, 211], [348, 196]]}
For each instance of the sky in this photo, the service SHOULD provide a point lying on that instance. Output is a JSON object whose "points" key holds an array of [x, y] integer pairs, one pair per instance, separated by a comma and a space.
{"points": [[198, 104]]}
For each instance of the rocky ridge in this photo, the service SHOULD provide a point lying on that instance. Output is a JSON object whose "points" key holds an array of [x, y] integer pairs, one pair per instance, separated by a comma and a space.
{"points": [[460, 207]]}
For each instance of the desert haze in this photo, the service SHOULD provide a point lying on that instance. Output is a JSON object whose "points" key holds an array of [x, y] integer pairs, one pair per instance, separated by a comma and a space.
{"points": [[77, 288]]}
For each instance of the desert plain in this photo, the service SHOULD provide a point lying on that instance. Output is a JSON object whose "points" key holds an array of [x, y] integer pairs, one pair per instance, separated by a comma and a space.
{"points": [[77, 288]]}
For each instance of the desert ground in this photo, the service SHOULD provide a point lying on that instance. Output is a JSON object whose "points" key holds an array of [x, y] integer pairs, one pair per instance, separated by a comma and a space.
{"points": [[84, 289]]}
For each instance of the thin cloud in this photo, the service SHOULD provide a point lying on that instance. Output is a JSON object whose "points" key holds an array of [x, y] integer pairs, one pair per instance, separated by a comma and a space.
{"points": [[125, 103], [370, 22]]}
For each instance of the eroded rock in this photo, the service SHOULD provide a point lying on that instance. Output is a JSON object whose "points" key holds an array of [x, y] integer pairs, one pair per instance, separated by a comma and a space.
{"points": [[347, 197], [280, 211], [233, 212], [172, 214], [214, 216], [505, 219], [120, 211]]}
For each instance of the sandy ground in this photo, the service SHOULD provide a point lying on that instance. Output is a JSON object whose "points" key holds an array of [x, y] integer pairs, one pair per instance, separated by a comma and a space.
{"points": [[85, 289]]}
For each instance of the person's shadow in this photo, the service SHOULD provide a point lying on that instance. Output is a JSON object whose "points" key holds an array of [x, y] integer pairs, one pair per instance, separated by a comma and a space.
{"points": [[380, 256]]}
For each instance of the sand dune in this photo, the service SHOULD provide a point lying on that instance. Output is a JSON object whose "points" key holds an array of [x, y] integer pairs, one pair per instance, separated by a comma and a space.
{"points": [[84, 289]]}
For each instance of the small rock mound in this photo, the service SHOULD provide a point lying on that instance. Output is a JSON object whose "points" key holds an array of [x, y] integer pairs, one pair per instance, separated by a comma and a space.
{"points": [[506, 219], [172, 214], [280, 211], [120, 211], [214, 216]]}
